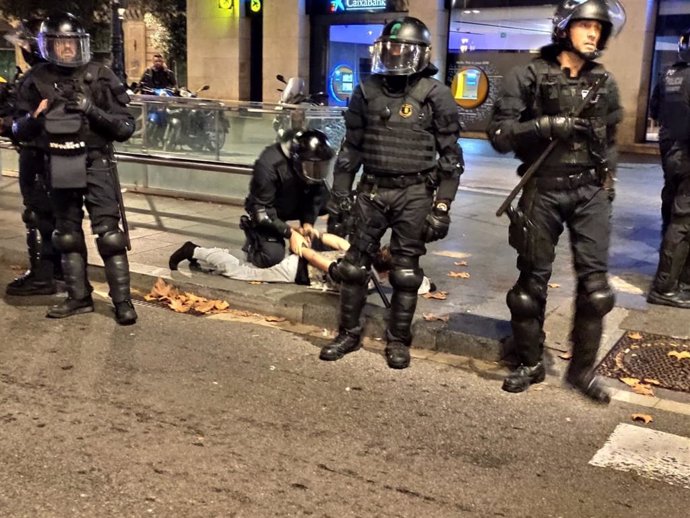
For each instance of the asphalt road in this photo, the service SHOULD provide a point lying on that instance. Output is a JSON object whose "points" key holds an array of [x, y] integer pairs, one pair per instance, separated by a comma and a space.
{"points": [[199, 417]]}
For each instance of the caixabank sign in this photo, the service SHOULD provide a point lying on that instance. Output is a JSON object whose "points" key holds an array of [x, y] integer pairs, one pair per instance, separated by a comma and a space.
{"points": [[355, 6]]}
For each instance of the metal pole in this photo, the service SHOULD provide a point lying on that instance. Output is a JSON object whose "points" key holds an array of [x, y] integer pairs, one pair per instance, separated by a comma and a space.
{"points": [[117, 12]]}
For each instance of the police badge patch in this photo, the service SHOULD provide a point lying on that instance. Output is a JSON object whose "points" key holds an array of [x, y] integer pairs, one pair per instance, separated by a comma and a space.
{"points": [[406, 110]]}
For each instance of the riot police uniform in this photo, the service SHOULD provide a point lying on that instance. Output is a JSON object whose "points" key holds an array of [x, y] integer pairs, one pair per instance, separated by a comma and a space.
{"points": [[403, 128], [670, 105], [288, 183], [572, 188], [38, 215], [86, 111]]}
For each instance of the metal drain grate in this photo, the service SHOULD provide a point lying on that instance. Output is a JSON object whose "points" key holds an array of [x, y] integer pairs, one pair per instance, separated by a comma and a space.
{"points": [[646, 356]]}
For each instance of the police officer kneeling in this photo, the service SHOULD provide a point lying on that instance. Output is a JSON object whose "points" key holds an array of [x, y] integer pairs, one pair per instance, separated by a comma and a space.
{"points": [[573, 187], [77, 108], [403, 127]]}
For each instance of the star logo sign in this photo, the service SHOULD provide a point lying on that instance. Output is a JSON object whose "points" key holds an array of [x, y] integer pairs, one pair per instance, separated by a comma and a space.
{"points": [[337, 5]]}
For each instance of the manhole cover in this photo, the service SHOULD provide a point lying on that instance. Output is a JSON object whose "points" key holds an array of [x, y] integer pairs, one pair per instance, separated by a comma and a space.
{"points": [[648, 356]]}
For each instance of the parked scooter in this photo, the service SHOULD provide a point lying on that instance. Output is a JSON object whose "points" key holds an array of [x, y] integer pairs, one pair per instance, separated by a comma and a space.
{"points": [[198, 128], [295, 93]]}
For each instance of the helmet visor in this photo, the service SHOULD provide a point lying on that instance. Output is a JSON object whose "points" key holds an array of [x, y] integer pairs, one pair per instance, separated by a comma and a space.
{"points": [[318, 171], [65, 50], [398, 59]]}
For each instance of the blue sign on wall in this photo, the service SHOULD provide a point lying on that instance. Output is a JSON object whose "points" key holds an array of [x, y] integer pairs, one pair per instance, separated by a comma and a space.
{"points": [[347, 6]]}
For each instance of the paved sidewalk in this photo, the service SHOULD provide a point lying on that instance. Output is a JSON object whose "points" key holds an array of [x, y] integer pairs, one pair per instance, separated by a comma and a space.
{"points": [[475, 307]]}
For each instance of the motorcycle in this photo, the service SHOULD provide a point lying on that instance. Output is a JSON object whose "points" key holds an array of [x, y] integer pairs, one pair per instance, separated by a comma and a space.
{"points": [[198, 128], [156, 116], [294, 93]]}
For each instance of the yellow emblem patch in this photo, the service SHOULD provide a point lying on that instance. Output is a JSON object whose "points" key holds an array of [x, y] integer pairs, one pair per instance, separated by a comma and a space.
{"points": [[406, 110]]}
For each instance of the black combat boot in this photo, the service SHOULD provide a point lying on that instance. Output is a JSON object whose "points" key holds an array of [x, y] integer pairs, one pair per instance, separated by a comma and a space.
{"points": [[524, 376], [184, 253], [125, 313], [676, 299], [397, 355], [343, 344], [36, 281], [78, 289], [71, 307], [588, 385]]}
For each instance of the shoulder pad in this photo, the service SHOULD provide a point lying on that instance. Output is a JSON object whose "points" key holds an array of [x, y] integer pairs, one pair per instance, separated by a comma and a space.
{"points": [[272, 156], [422, 89], [105, 74], [371, 87]]}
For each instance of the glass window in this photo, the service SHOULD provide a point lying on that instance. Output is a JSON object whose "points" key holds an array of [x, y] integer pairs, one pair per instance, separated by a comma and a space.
{"points": [[484, 44]]}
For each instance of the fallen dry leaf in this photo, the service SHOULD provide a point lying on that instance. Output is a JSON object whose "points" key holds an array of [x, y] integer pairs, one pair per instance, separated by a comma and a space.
{"points": [[460, 263], [275, 319], [631, 382], [437, 295], [643, 390], [205, 306], [450, 253], [652, 381], [178, 306], [431, 317], [634, 335], [679, 355], [184, 302], [221, 305], [554, 285], [255, 282], [567, 355], [645, 418], [459, 275]]}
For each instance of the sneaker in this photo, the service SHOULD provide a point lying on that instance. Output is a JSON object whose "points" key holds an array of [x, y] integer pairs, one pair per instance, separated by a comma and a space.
{"points": [[524, 376], [184, 253]]}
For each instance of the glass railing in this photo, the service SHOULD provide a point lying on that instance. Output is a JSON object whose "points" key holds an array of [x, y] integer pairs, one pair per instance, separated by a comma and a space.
{"points": [[224, 132]]}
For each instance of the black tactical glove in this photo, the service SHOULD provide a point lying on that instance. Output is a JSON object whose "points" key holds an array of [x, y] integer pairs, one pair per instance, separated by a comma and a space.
{"points": [[561, 127], [80, 103], [437, 222]]}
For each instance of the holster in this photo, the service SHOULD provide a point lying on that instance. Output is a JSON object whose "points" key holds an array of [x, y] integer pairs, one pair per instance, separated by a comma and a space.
{"points": [[67, 150]]}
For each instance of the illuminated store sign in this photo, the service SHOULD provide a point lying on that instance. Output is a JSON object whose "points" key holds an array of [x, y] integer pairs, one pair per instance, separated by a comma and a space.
{"points": [[358, 5]]}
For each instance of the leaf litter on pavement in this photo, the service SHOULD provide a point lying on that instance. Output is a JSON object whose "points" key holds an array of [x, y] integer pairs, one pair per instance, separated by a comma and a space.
{"points": [[184, 302]]}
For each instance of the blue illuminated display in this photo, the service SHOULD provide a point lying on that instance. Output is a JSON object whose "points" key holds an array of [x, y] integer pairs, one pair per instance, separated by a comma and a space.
{"points": [[344, 6]]}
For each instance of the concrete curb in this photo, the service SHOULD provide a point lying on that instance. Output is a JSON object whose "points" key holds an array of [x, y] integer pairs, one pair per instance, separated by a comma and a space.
{"points": [[464, 334]]}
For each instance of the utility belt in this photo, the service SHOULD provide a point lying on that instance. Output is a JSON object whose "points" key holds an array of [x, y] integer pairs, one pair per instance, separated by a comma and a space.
{"points": [[564, 183], [395, 182]]}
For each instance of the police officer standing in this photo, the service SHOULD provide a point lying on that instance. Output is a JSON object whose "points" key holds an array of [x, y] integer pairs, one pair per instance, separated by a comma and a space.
{"points": [[670, 105], [76, 108], [403, 127], [288, 183], [573, 187], [38, 215]]}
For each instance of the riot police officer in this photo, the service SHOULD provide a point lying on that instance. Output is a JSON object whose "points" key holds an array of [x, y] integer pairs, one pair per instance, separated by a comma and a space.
{"points": [[670, 105], [38, 215], [289, 182], [76, 108], [403, 127], [573, 187]]}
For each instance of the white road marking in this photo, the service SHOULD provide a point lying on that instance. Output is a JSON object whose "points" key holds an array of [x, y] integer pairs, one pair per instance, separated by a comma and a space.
{"points": [[624, 286], [649, 453]]}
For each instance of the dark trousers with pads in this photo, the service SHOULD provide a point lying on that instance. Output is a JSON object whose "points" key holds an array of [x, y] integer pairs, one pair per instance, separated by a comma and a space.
{"points": [[381, 205], [551, 204]]}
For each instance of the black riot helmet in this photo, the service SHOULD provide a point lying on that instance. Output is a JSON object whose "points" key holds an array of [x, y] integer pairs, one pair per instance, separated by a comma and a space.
{"points": [[311, 153], [26, 37], [684, 46], [609, 13], [63, 41], [403, 49]]}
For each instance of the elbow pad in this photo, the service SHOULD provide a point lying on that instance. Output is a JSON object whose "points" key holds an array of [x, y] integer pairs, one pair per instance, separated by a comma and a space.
{"points": [[115, 128]]}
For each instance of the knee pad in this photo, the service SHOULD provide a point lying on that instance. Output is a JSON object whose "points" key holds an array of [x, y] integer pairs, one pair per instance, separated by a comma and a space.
{"points": [[595, 296], [352, 274], [406, 279], [69, 242], [107, 225], [405, 262], [111, 243], [30, 218], [522, 303]]}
